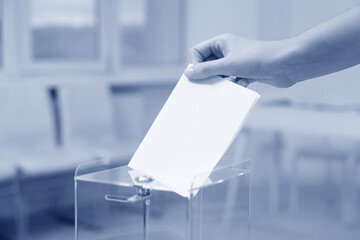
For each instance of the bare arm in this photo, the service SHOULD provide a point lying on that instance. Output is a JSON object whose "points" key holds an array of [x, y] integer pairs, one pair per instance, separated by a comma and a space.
{"points": [[329, 47]]}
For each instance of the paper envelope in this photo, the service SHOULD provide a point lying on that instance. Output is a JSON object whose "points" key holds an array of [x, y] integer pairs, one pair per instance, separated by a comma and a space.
{"points": [[195, 127]]}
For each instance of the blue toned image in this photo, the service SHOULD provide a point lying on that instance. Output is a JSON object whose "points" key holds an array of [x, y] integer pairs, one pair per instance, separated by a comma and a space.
{"points": [[85, 86], [64, 29]]}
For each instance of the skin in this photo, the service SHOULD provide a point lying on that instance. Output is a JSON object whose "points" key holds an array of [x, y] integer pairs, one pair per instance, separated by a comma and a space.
{"points": [[329, 47]]}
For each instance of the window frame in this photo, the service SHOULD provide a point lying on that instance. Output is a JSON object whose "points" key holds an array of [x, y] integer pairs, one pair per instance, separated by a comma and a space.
{"points": [[31, 66], [9, 43], [18, 65], [153, 73], [1, 36]]}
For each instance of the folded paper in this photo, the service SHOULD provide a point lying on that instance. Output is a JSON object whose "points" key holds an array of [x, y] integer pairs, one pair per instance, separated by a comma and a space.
{"points": [[195, 127]]}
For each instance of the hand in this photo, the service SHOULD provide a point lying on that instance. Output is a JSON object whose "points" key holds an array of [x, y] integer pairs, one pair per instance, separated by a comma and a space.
{"points": [[248, 60]]}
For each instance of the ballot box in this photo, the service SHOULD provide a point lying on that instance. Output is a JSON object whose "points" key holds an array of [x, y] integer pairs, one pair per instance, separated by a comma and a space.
{"points": [[116, 202]]}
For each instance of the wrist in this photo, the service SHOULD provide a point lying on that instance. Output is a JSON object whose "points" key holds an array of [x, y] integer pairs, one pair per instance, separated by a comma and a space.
{"points": [[288, 61]]}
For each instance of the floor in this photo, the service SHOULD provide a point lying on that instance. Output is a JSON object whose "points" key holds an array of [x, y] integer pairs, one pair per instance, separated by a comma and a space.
{"points": [[307, 224], [262, 227], [318, 218]]}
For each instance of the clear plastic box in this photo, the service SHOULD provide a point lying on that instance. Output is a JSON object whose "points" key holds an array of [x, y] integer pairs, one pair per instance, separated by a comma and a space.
{"points": [[110, 204]]}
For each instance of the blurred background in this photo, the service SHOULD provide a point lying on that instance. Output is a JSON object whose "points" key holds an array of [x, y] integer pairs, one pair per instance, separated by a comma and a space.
{"points": [[84, 79]]}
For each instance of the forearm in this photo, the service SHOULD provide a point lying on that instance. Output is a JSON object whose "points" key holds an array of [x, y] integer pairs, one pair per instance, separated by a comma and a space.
{"points": [[329, 47]]}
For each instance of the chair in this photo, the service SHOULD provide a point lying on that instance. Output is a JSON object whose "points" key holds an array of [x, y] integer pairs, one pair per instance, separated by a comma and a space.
{"points": [[27, 136], [89, 123], [25, 116], [27, 131], [10, 204], [329, 152]]}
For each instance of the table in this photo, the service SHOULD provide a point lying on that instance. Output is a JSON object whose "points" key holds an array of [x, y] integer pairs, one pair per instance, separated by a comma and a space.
{"points": [[333, 124], [280, 120]]}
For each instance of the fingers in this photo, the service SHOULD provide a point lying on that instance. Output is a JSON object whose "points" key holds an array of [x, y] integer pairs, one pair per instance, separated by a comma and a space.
{"points": [[200, 52], [210, 58], [206, 69], [204, 50], [240, 81], [244, 81]]}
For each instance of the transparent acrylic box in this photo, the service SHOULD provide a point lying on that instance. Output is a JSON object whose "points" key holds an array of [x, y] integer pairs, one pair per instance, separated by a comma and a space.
{"points": [[110, 204]]}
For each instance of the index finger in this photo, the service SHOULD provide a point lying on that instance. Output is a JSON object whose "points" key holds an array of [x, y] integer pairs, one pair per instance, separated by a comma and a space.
{"points": [[201, 51]]}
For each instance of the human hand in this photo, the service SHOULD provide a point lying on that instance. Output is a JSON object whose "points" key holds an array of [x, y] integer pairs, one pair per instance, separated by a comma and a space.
{"points": [[247, 60]]}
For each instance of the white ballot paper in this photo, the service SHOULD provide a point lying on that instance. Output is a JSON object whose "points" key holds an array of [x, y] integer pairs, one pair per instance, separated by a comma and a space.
{"points": [[193, 130]]}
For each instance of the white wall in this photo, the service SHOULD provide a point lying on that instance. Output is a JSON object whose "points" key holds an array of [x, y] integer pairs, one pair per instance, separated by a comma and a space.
{"points": [[208, 18], [339, 88]]}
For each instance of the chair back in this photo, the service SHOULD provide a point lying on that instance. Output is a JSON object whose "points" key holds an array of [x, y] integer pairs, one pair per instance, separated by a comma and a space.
{"points": [[26, 120], [86, 112]]}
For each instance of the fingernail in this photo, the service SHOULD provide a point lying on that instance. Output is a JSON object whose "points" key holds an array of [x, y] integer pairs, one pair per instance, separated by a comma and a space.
{"points": [[189, 72], [243, 82]]}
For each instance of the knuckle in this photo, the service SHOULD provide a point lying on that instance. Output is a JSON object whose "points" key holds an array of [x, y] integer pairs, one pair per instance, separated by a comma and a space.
{"points": [[224, 39], [193, 54], [218, 42], [226, 36], [191, 51], [189, 55]]}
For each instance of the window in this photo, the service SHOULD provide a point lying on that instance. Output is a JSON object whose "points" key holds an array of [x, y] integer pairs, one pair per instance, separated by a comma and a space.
{"points": [[150, 32], [116, 38], [1, 35], [64, 30]]}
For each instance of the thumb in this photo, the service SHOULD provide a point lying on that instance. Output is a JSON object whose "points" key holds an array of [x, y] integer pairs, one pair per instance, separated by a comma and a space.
{"points": [[206, 69]]}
